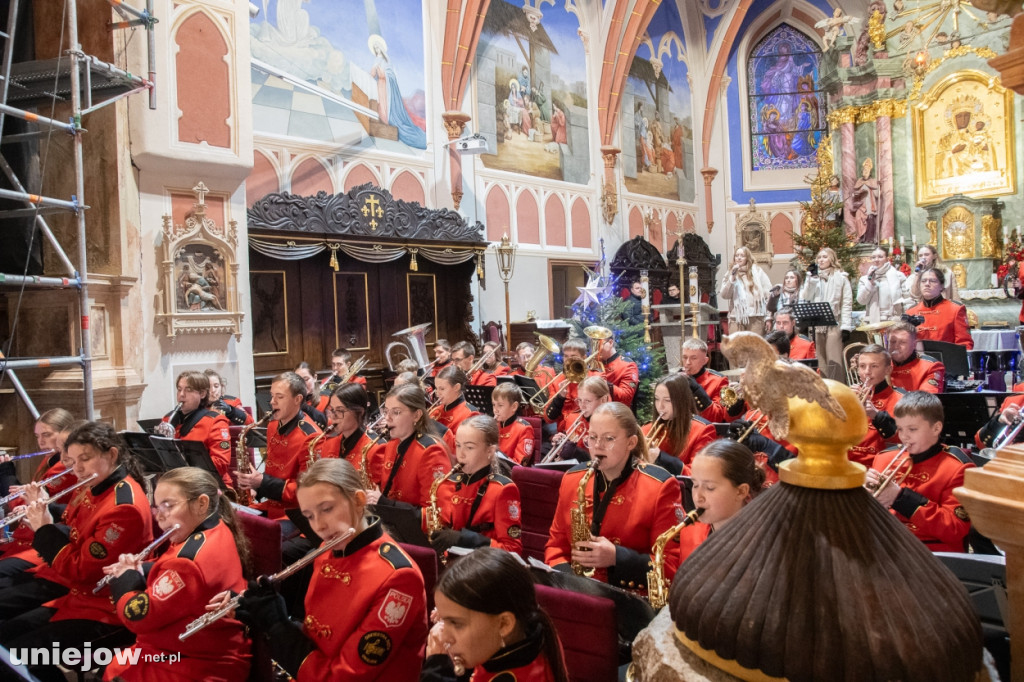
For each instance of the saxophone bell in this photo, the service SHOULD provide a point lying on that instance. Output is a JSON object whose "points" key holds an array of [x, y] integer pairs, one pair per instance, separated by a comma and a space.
{"points": [[657, 586]]}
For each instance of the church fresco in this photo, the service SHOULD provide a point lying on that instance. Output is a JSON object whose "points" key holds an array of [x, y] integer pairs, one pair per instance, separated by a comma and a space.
{"points": [[338, 71], [531, 92], [656, 114], [787, 108]]}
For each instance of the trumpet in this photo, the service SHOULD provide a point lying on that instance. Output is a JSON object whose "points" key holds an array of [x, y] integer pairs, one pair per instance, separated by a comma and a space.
{"points": [[166, 428], [758, 425], [1006, 435], [573, 371], [41, 484], [573, 434], [731, 394], [353, 369], [657, 590], [656, 436], [480, 363], [864, 393], [244, 465], [17, 516], [106, 580], [211, 617], [891, 471]]}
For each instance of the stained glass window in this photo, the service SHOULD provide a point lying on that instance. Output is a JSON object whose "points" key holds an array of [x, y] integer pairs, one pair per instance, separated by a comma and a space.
{"points": [[786, 104]]}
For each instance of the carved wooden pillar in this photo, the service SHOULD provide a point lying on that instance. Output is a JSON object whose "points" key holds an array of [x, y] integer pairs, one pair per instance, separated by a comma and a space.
{"points": [[454, 123], [709, 177], [609, 191]]}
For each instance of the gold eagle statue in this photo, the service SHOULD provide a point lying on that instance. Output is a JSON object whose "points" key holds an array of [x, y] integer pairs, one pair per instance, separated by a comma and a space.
{"points": [[768, 382]]}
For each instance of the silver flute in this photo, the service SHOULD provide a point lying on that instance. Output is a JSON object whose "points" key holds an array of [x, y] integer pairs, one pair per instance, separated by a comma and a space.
{"points": [[17, 516], [211, 617], [42, 484], [105, 580]]}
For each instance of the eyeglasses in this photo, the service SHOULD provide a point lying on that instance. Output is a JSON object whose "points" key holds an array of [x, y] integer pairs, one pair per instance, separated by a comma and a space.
{"points": [[604, 441], [339, 412], [165, 508], [395, 413]]}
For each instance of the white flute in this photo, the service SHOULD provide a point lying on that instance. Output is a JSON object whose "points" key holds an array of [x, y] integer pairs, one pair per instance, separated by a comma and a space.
{"points": [[105, 580]]}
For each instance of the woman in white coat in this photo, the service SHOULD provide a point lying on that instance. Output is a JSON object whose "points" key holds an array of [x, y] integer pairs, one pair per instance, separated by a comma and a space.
{"points": [[746, 288], [826, 281], [882, 291]]}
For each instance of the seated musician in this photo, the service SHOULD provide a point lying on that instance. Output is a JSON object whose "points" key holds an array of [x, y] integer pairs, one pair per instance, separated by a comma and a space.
{"points": [[346, 438], [1005, 418], [800, 347], [564, 409], [110, 518], [447, 435], [340, 360], [206, 556], [289, 435], [694, 359], [47, 432], [442, 356], [874, 365], [488, 621], [572, 443], [515, 434], [494, 364], [629, 503], [464, 357], [923, 500], [620, 373], [196, 422], [944, 320], [414, 455], [475, 505], [314, 404], [683, 431], [543, 375], [227, 405], [366, 609], [780, 342], [725, 479], [452, 407], [913, 371]]}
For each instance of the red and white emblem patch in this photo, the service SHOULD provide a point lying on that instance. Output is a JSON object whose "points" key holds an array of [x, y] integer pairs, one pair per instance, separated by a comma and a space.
{"points": [[513, 511], [167, 584], [395, 608], [225, 434], [528, 445]]}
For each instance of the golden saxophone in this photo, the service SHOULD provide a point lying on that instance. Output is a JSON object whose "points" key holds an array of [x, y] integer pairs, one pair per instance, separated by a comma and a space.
{"points": [[244, 465], [433, 511], [578, 518], [657, 588], [311, 456], [364, 460]]}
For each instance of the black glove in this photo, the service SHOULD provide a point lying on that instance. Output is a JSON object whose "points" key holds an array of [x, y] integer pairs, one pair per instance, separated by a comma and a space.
{"points": [[915, 320], [846, 336], [738, 428], [442, 540], [700, 396], [261, 607], [756, 442], [812, 269], [555, 408]]}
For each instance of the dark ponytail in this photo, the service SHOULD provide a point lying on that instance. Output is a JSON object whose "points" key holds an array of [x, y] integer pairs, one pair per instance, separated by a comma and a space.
{"points": [[104, 438]]}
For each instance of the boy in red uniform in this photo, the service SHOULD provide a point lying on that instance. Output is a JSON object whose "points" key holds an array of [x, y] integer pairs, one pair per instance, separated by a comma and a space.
{"points": [[564, 409], [515, 434], [288, 437], [340, 360], [464, 357], [800, 347], [709, 383], [442, 356], [1007, 416], [874, 365], [913, 371], [924, 499], [197, 423], [621, 374]]}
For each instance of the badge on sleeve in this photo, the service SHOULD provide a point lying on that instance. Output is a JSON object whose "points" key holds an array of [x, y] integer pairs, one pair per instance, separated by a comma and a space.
{"points": [[113, 533], [97, 550], [137, 607], [961, 513], [167, 584], [513, 510], [514, 532], [374, 647], [528, 446], [395, 608]]}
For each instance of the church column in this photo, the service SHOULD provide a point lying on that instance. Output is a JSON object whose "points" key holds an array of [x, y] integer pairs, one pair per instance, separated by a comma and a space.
{"points": [[454, 124], [887, 214], [709, 177], [848, 160], [609, 192]]}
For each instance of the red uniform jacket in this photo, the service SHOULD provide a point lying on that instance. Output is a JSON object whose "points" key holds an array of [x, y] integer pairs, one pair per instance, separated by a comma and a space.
{"points": [[712, 382], [111, 519], [21, 539], [543, 375], [436, 369], [515, 440], [919, 373], [570, 408], [408, 468], [499, 370], [351, 448], [175, 592], [926, 504], [802, 348], [943, 321], [212, 429], [682, 546], [882, 429], [771, 477], [482, 378], [524, 660], [484, 506], [366, 613], [287, 457], [980, 441], [455, 413], [624, 377], [236, 414], [641, 506]]}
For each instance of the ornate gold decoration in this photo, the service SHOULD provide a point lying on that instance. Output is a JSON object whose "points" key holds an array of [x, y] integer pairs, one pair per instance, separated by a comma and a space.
{"points": [[457, 198], [454, 124], [933, 231], [876, 30], [867, 113], [958, 233], [609, 154], [991, 246], [960, 272], [753, 230], [964, 138], [952, 53]]}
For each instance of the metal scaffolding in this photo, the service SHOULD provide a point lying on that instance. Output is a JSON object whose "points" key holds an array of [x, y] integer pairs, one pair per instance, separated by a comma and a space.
{"points": [[87, 84]]}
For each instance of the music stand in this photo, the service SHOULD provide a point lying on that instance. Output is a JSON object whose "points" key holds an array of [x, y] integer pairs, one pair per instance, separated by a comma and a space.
{"points": [[528, 385], [480, 398], [817, 314], [142, 448], [967, 412], [505, 378], [810, 362], [401, 521], [189, 453], [148, 425]]}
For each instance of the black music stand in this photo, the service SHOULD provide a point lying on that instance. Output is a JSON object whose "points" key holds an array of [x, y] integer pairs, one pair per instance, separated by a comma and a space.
{"points": [[148, 425], [149, 457], [967, 412], [402, 521], [185, 453], [817, 314], [528, 385], [480, 398], [810, 362]]}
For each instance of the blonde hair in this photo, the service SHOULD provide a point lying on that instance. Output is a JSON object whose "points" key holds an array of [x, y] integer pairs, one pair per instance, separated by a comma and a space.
{"points": [[595, 386], [624, 417], [337, 472], [831, 255]]}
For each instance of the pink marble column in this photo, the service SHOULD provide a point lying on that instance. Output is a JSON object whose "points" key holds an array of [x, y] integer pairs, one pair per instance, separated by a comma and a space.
{"points": [[849, 164], [886, 214]]}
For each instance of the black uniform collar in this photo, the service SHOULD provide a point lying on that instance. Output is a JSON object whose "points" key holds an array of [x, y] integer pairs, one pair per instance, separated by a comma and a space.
{"points": [[284, 429], [462, 478], [933, 302], [517, 655], [115, 477], [509, 422], [913, 356], [439, 365], [403, 445], [699, 374], [350, 442], [929, 453], [452, 405], [881, 386], [613, 358], [373, 532], [209, 522]]}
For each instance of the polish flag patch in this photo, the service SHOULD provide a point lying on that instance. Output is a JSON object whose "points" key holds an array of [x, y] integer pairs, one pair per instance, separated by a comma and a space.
{"points": [[167, 584], [395, 608]]}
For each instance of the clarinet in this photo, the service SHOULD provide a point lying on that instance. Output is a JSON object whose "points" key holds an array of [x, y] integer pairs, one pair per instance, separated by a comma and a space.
{"points": [[105, 580]]}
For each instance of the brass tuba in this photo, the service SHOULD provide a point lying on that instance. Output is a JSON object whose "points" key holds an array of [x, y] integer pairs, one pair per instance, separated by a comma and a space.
{"points": [[580, 524], [657, 588], [414, 344], [244, 465], [545, 346], [597, 335]]}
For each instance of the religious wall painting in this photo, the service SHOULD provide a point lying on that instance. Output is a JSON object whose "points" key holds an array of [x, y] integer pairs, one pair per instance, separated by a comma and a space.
{"points": [[531, 91], [343, 71], [657, 113], [787, 108], [269, 312], [963, 137], [200, 278]]}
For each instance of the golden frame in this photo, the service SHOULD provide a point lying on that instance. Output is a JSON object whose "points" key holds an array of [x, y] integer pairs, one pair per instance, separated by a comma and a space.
{"points": [[366, 310], [284, 289], [408, 302], [993, 107], [958, 242]]}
